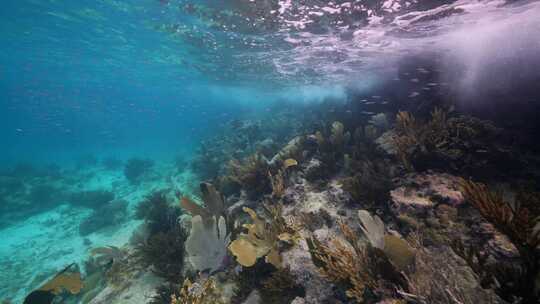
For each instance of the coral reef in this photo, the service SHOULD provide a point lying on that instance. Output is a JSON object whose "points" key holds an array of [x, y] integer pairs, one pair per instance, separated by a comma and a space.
{"points": [[518, 220], [201, 293], [370, 183], [206, 245], [331, 147], [281, 287], [135, 169], [445, 141], [252, 175], [372, 271], [213, 203], [164, 293], [262, 238]]}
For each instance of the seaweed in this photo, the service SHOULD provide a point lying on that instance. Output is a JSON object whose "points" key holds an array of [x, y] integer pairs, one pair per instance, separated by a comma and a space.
{"points": [[164, 293], [157, 213], [164, 252]]}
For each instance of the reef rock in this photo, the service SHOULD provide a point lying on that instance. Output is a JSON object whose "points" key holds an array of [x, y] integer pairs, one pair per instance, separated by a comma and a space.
{"points": [[424, 191], [314, 170], [299, 261]]}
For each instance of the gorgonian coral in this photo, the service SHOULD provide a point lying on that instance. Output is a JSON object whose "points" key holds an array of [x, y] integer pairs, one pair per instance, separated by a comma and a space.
{"points": [[251, 174], [262, 237], [456, 142], [369, 272], [520, 221]]}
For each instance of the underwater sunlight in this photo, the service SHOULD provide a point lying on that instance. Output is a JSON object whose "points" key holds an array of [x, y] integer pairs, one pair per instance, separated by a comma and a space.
{"points": [[270, 151]]}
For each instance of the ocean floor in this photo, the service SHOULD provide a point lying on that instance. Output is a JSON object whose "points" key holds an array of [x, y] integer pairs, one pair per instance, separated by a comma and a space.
{"points": [[35, 248]]}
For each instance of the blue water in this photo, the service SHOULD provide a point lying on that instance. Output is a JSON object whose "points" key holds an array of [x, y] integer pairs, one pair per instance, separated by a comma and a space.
{"points": [[84, 77]]}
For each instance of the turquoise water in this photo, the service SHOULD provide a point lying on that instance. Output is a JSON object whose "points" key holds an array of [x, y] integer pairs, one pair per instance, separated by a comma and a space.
{"points": [[185, 86]]}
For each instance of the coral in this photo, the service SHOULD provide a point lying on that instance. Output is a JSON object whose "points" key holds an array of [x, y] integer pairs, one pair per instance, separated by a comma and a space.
{"points": [[373, 228], [516, 221], [205, 293], [164, 252], [278, 180], [158, 214], [135, 169], [395, 248], [342, 262], [91, 199], [228, 185], [440, 278], [213, 206], [207, 243], [262, 238], [292, 150], [367, 271], [519, 220], [164, 293], [108, 215], [457, 142], [370, 183], [278, 184], [280, 287], [380, 121], [251, 174], [332, 147]]}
